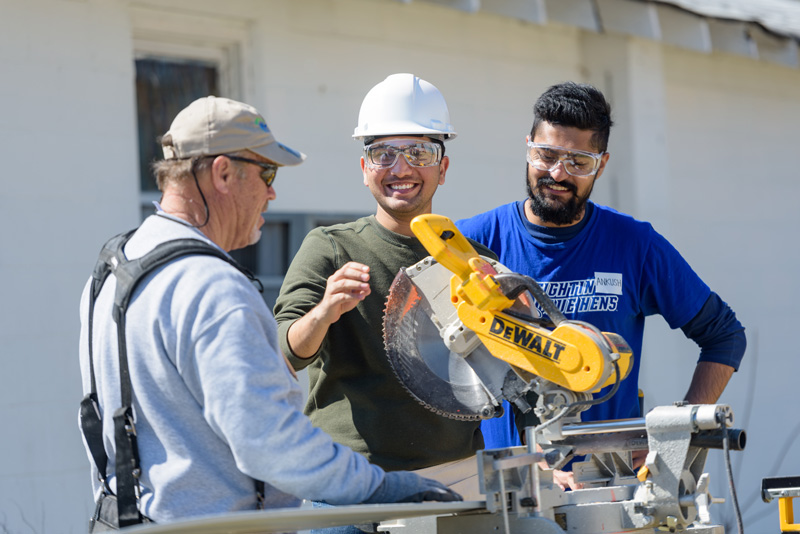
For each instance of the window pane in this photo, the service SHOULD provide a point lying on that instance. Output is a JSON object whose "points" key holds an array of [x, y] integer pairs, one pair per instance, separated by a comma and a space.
{"points": [[247, 256], [163, 88], [274, 250], [270, 256], [271, 295]]}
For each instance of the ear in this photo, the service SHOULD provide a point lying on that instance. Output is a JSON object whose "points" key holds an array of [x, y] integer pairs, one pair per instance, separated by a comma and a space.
{"points": [[602, 167], [443, 166], [364, 171], [222, 173]]}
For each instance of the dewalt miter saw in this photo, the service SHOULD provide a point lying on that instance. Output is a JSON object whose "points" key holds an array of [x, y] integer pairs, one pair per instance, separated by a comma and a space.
{"points": [[462, 334], [496, 344]]}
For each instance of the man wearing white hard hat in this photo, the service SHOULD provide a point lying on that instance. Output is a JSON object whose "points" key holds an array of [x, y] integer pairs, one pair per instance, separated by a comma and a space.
{"points": [[330, 308], [187, 358]]}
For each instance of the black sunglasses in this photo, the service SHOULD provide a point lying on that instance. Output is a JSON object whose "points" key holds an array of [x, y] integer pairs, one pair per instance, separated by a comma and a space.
{"points": [[269, 172]]}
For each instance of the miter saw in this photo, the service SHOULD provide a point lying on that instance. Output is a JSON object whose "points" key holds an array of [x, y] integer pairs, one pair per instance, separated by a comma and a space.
{"points": [[462, 334], [496, 344]]}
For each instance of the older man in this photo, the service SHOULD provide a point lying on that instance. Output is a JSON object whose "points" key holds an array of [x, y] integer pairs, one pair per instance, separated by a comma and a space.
{"points": [[216, 406]]}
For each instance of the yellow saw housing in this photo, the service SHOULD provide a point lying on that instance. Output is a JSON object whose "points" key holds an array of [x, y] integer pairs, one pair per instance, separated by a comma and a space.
{"points": [[572, 355]]}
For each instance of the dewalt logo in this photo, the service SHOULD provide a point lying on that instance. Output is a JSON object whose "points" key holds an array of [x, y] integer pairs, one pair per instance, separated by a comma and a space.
{"points": [[525, 339]]}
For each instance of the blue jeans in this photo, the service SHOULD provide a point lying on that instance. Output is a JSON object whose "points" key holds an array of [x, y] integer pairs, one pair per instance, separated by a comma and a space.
{"points": [[349, 529]]}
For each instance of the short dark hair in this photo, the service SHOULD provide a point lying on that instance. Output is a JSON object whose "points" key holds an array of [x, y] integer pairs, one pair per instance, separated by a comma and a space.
{"points": [[579, 105]]}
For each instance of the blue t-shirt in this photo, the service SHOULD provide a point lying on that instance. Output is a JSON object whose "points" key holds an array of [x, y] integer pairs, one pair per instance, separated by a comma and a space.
{"points": [[613, 273]]}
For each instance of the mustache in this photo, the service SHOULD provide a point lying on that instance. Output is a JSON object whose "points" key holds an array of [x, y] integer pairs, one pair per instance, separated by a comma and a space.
{"points": [[546, 180]]}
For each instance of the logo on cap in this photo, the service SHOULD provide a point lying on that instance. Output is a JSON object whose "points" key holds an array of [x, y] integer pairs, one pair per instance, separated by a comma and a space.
{"points": [[261, 124]]}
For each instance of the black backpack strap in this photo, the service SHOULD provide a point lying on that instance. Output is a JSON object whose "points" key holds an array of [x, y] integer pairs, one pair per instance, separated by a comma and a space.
{"points": [[91, 421], [129, 274], [92, 428]]}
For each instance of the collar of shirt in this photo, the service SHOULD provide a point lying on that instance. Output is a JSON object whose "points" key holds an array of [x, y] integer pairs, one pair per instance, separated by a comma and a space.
{"points": [[551, 235], [161, 213]]}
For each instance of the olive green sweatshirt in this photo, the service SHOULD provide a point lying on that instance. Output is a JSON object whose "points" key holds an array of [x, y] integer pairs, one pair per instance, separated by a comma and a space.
{"points": [[354, 395]]}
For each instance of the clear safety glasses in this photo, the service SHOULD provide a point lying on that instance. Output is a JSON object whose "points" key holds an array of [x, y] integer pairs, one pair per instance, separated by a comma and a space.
{"points": [[576, 162], [384, 154]]}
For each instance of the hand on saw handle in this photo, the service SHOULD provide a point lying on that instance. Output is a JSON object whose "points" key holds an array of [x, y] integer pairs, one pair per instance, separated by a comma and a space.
{"points": [[404, 486], [449, 247]]}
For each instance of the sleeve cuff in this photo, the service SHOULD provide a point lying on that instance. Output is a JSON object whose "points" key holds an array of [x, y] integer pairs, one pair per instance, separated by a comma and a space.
{"points": [[283, 336]]}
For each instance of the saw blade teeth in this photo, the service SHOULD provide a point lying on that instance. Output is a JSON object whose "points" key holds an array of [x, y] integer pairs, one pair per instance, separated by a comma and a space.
{"points": [[412, 342]]}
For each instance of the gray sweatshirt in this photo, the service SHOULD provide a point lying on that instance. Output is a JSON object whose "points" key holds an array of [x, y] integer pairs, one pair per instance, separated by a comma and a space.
{"points": [[216, 405]]}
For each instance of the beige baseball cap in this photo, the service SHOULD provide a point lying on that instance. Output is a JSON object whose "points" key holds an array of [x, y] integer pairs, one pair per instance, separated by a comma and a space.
{"points": [[211, 125]]}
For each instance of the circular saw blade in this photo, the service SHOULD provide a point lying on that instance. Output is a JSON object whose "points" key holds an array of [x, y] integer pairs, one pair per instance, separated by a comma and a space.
{"points": [[438, 378]]}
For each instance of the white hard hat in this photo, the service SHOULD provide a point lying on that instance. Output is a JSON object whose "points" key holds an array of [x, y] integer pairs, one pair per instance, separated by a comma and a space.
{"points": [[404, 104]]}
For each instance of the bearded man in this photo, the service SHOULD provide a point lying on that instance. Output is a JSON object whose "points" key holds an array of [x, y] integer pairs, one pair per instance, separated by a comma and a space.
{"points": [[599, 265]]}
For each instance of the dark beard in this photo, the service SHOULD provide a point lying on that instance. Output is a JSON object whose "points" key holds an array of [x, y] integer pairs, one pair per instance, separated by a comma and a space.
{"points": [[555, 212]]}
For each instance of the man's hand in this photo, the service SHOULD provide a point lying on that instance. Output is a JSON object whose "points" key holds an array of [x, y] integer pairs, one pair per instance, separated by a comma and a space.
{"points": [[404, 486], [639, 458], [343, 291], [565, 479]]}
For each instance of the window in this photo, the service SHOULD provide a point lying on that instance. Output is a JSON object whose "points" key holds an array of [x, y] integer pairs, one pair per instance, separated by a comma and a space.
{"points": [[164, 86], [181, 56]]}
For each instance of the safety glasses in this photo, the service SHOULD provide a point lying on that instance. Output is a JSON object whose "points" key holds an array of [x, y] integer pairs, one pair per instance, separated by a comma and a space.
{"points": [[384, 154], [576, 162], [269, 169]]}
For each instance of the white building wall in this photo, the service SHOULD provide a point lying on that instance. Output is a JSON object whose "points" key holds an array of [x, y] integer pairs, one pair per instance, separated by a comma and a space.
{"points": [[731, 130], [719, 129], [68, 138]]}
